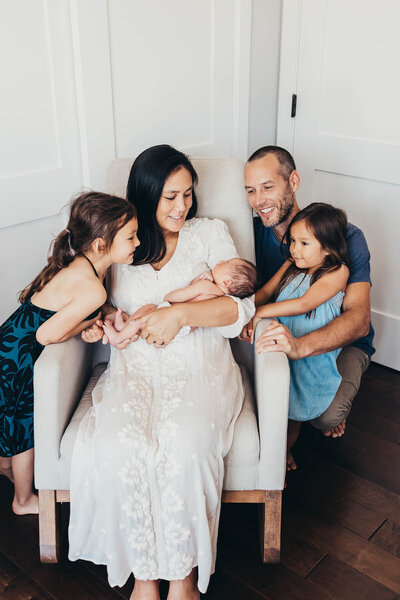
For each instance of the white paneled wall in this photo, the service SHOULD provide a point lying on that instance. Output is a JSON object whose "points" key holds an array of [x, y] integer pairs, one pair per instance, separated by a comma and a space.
{"points": [[39, 144], [84, 82], [339, 57], [264, 73]]}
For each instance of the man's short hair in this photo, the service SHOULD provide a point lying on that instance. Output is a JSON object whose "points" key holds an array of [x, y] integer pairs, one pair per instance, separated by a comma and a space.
{"points": [[286, 161], [244, 278]]}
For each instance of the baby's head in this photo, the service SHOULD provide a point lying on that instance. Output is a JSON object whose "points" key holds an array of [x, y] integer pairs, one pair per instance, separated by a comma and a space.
{"points": [[236, 276]]}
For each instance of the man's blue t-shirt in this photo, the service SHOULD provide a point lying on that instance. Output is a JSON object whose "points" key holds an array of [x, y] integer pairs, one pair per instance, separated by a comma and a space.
{"points": [[271, 254]]}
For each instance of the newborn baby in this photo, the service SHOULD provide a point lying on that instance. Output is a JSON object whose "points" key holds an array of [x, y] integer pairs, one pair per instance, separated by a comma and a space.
{"points": [[236, 277]]}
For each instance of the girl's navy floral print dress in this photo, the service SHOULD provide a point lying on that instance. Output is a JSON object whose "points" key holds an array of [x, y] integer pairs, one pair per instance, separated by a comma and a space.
{"points": [[19, 351]]}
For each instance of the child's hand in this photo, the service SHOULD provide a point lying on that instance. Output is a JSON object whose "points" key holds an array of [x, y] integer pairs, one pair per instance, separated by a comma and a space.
{"points": [[248, 330], [245, 334], [93, 334], [253, 324]]}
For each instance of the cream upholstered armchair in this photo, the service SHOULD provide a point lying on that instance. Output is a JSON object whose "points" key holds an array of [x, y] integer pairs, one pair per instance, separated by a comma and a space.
{"points": [[66, 373]]}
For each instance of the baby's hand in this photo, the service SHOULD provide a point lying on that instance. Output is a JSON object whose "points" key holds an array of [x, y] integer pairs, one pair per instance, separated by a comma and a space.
{"points": [[205, 275]]}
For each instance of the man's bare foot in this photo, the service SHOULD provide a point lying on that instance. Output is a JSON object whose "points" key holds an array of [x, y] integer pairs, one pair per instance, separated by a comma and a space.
{"points": [[30, 507], [336, 431], [290, 462], [146, 590], [184, 589]]}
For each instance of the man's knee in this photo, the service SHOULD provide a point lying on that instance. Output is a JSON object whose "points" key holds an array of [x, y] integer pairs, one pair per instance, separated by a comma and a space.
{"points": [[351, 363], [335, 414]]}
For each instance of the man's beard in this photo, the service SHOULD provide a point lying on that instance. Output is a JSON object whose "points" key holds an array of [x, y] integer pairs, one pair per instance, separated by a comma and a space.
{"points": [[285, 209]]}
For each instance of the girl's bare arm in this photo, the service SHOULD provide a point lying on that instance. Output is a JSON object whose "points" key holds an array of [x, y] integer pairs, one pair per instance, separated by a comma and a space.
{"points": [[318, 293], [267, 291], [70, 319]]}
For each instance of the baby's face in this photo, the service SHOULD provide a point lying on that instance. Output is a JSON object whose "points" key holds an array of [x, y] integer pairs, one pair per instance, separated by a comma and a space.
{"points": [[222, 273]]}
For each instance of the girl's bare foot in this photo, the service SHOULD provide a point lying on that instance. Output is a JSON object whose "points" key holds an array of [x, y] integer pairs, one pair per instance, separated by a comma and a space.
{"points": [[184, 589], [290, 462], [336, 431], [29, 507], [146, 590]]}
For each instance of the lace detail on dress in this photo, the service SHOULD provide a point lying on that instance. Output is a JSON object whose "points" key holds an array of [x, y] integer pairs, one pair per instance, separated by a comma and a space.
{"points": [[162, 419]]}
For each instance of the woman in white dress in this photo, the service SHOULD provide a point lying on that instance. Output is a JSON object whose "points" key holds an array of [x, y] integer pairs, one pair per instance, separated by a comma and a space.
{"points": [[147, 466]]}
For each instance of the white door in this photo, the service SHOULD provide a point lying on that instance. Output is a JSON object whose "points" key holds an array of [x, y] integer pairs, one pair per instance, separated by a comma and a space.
{"points": [[40, 162], [156, 72], [340, 58]]}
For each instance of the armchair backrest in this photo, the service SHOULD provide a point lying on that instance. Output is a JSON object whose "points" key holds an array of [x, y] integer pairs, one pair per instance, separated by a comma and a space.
{"points": [[220, 194]]}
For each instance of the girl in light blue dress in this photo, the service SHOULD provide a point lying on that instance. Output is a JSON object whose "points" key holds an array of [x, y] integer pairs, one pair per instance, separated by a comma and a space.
{"points": [[307, 293]]}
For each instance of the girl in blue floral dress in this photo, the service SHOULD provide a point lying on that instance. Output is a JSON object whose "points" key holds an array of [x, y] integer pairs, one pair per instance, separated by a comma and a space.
{"points": [[63, 300], [307, 293]]}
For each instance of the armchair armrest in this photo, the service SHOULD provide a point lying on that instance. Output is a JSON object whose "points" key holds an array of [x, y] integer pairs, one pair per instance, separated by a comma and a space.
{"points": [[60, 375], [272, 377]]}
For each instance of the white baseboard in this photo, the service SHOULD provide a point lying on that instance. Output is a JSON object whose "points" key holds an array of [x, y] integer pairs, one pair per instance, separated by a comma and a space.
{"points": [[387, 339]]}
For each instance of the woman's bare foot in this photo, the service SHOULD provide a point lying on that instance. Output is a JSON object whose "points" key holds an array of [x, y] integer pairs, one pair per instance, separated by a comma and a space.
{"points": [[146, 590], [29, 507], [184, 589], [290, 462], [336, 431]]}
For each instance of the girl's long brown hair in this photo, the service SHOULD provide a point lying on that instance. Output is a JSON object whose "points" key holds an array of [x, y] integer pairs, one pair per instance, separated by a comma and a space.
{"points": [[93, 215], [329, 225]]}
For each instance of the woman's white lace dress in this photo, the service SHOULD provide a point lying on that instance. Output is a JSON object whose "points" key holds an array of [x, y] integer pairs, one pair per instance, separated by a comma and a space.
{"points": [[147, 465]]}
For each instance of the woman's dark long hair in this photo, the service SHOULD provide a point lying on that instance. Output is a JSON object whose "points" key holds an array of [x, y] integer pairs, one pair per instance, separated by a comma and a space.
{"points": [[93, 215], [145, 184], [329, 225]]}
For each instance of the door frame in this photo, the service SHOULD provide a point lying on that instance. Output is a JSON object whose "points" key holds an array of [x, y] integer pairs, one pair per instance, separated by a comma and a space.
{"points": [[288, 72]]}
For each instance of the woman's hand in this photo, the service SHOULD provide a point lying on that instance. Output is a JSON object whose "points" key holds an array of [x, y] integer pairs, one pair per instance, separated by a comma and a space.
{"points": [[93, 334], [162, 325], [144, 310]]}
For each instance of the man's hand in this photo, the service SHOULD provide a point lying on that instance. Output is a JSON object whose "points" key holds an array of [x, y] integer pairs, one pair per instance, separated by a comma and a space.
{"points": [[278, 338], [162, 325], [93, 334]]}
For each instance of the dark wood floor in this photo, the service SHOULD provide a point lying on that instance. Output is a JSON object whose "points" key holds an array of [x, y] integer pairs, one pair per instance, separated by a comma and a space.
{"points": [[341, 524]]}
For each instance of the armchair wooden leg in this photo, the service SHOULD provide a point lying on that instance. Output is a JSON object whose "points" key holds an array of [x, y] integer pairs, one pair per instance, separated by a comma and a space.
{"points": [[49, 542], [271, 526]]}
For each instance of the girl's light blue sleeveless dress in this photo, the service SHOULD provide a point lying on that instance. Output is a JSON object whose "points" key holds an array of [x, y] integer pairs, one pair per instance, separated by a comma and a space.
{"points": [[314, 381]]}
